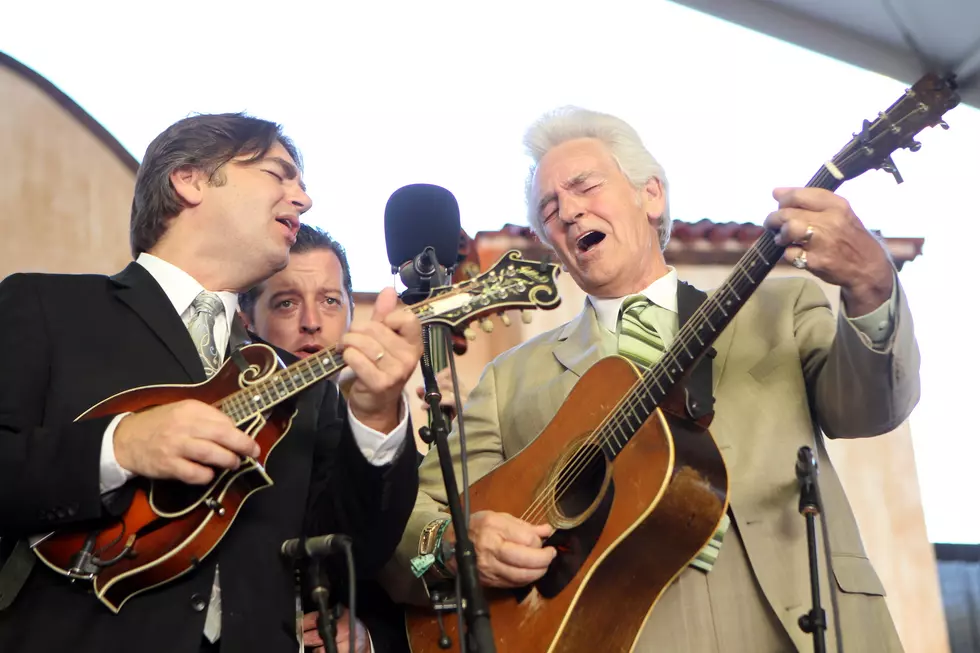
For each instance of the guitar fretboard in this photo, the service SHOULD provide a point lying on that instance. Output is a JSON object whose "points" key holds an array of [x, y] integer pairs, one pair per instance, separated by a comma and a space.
{"points": [[697, 335]]}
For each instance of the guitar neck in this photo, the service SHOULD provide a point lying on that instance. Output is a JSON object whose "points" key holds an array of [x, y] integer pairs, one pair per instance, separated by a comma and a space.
{"points": [[260, 397], [701, 331], [511, 283]]}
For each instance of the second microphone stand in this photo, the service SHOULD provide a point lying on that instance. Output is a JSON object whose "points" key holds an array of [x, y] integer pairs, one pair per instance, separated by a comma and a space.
{"points": [[475, 609], [814, 622]]}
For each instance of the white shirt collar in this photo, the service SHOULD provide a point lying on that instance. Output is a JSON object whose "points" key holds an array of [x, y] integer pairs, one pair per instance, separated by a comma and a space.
{"points": [[181, 288], [662, 292]]}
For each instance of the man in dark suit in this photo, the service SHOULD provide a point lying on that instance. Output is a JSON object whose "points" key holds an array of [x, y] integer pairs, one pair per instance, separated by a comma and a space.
{"points": [[307, 307], [215, 211]]}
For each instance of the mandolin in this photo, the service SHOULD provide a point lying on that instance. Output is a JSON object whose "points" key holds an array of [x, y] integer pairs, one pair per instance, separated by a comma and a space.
{"points": [[632, 485], [170, 526]]}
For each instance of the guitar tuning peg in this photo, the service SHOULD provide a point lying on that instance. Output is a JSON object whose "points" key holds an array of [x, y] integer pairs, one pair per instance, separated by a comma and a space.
{"points": [[505, 319], [469, 334], [526, 317], [914, 146], [944, 124], [486, 325]]}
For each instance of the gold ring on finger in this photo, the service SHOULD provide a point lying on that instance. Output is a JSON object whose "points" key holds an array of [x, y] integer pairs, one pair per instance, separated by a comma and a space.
{"points": [[807, 235]]}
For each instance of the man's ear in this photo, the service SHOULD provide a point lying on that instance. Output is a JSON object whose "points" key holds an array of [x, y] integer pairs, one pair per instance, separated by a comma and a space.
{"points": [[248, 322], [189, 183], [653, 200]]}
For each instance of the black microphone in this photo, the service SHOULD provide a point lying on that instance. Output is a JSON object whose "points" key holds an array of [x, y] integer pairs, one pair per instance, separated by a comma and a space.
{"points": [[300, 548], [422, 237]]}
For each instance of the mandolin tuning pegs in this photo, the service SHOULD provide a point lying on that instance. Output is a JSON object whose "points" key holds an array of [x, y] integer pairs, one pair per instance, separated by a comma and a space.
{"points": [[526, 317], [505, 319], [469, 334], [486, 325]]}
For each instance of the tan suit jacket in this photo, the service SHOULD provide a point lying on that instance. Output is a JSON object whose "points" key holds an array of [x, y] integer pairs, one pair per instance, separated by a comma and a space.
{"points": [[785, 371]]}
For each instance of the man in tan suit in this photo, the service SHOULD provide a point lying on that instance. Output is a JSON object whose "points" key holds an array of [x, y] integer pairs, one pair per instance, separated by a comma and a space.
{"points": [[786, 374]]}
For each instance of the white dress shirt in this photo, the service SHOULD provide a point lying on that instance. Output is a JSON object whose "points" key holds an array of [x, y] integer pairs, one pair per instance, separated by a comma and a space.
{"points": [[877, 325]]}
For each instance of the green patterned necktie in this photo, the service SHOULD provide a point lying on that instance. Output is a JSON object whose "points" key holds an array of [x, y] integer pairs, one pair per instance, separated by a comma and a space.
{"points": [[207, 307], [640, 343], [637, 334]]}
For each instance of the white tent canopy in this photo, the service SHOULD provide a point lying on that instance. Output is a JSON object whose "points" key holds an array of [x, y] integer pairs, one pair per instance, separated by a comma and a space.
{"points": [[902, 39]]}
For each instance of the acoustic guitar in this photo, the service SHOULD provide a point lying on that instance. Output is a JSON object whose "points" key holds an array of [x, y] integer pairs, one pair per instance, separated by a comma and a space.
{"points": [[633, 486], [171, 526]]}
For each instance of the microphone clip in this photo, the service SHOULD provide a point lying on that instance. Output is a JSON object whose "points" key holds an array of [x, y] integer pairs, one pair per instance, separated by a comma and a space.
{"points": [[421, 274]]}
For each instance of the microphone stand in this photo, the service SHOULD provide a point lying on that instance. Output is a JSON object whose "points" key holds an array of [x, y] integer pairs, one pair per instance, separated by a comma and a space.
{"points": [[815, 621], [478, 633], [326, 625]]}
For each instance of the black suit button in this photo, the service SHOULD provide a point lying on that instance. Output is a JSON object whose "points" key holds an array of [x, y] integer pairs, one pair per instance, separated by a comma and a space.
{"points": [[198, 602]]}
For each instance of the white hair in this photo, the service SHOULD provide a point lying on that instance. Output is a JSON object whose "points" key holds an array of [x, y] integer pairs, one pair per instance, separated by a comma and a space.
{"points": [[627, 149]]}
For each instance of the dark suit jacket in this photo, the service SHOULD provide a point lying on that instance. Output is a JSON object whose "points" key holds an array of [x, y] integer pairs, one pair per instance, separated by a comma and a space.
{"points": [[71, 341]]}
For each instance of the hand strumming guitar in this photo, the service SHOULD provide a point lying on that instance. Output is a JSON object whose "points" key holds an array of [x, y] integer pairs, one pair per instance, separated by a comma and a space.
{"points": [[181, 441], [510, 552]]}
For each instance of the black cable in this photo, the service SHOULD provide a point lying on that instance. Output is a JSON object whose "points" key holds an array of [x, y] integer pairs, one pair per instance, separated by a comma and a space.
{"points": [[351, 594]]}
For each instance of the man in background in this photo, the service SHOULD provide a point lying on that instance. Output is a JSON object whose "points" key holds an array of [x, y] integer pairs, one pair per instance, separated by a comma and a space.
{"points": [[305, 308]]}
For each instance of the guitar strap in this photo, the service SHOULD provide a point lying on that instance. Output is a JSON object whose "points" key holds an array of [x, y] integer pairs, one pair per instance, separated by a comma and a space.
{"points": [[698, 397]]}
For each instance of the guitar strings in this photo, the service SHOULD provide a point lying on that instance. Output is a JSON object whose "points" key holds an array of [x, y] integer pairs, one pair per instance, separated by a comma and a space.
{"points": [[618, 419], [765, 247], [237, 406]]}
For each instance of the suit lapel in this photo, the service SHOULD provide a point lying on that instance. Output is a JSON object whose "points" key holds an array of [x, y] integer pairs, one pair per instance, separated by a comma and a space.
{"points": [[578, 348], [137, 288]]}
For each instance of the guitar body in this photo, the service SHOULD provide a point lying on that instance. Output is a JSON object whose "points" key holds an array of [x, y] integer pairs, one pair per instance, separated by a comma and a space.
{"points": [[627, 527], [170, 527]]}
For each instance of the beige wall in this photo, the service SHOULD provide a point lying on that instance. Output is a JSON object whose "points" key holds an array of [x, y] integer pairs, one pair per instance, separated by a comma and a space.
{"points": [[64, 195], [878, 474]]}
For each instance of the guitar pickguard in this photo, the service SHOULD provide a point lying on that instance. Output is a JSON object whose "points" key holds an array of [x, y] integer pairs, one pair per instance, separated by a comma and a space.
{"points": [[574, 546], [171, 499]]}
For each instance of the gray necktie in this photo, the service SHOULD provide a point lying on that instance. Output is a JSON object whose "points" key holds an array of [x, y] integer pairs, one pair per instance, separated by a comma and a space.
{"points": [[206, 308]]}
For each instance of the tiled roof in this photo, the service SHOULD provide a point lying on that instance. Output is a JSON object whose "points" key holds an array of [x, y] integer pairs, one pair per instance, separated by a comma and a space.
{"points": [[691, 243], [707, 242]]}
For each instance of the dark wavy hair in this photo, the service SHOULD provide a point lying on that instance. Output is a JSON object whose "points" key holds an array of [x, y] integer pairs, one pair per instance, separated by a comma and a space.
{"points": [[205, 142]]}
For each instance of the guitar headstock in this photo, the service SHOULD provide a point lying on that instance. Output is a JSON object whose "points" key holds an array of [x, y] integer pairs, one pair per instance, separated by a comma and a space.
{"points": [[510, 283], [921, 106]]}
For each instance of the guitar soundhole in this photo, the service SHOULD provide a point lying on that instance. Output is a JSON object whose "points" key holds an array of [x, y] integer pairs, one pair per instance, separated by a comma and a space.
{"points": [[580, 483], [583, 497]]}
